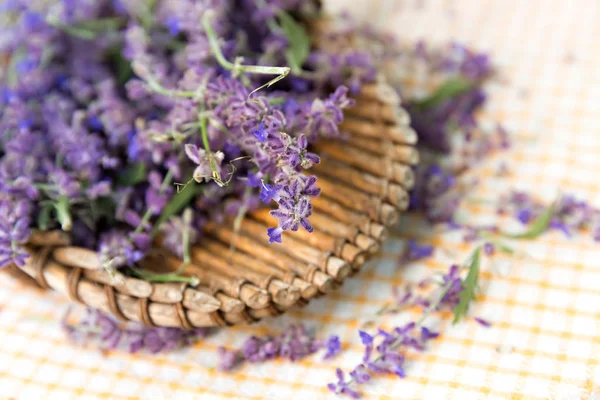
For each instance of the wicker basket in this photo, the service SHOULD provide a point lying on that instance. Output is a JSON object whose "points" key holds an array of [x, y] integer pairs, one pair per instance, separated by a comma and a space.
{"points": [[364, 182]]}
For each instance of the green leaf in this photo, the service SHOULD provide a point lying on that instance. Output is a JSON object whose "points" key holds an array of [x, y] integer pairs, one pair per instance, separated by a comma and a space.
{"points": [[80, 33], [102, 208], [132, 175], [451, 88], [469, 284], [120, 65], [102, 24], [87, 30], [538, 226], [503, 248], [274, 101], [177, 203], [298, 41], [63, 212], [44, 216]]}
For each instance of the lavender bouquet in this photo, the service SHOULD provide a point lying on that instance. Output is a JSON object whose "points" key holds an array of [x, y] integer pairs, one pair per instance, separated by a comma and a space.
{"points": [[125, 120]]}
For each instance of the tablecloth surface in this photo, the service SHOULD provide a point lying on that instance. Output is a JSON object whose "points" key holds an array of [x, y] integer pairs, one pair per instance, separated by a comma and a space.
{"points": [[544, 342]]}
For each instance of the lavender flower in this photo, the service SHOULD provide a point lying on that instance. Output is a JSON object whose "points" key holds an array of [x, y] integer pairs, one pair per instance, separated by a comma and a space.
{"points": [[341, 387], [179, 233], [206, 162], [260, 133], [14, 232], [569, 215], [482, 322], [294, 343], [298, 157], [416, 251], [110, 334], [332, 346], [117, 251]]}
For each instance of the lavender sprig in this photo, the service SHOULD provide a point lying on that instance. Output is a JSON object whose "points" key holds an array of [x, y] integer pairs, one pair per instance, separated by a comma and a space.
{"points": [[112, 334], [454, 293], [294, 343], [388, 361]]}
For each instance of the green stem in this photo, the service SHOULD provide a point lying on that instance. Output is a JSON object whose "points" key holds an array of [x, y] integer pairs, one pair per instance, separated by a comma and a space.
{"points": [[145, 219], [148, 214], [168, 277], [185, 236], [237, 68], [45, 186], [166, 181], [158, 88], [214, 42], [63, 213]]}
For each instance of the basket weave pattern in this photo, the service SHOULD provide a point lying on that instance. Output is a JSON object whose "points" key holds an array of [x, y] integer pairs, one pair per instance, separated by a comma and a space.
{"points": [[364, 181]]}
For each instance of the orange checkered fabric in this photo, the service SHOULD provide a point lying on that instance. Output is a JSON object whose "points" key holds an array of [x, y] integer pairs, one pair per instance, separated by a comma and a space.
{"points": [[545, 306]]}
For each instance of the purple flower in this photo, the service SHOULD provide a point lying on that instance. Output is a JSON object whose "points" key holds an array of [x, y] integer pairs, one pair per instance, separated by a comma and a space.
{"points": [[365, 338], [274, 235], [569, 213], [417, 252], [341, 387], [310, 186], [405, 330], [360, 374], [100, 189], [489, 249], [294, 343], [203, 159], [116, 250], [524, 215], [388, 339], [260, 133], [298, 157], [94, 123], [254, 180], [14, 232], [175, 229], [332, 346], [174, 25], [367, 341], [482, 322], [269, 192], [294, 204], [110, 334], [228, 359], [395, 364], [322, 118], [427, 334]]}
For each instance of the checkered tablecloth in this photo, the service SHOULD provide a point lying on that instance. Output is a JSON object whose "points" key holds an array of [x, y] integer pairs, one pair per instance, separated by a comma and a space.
{"points": [[545, 307]]}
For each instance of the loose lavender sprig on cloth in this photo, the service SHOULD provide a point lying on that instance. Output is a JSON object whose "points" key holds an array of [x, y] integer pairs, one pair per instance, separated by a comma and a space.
{"points": [[294, 343], [568, 214], [96, 326], [453, 292]]}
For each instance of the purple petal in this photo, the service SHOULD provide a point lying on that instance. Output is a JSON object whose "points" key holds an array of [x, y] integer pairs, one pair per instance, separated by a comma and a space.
{"points": [[193, 153], [365, 338], [274, 235]]}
